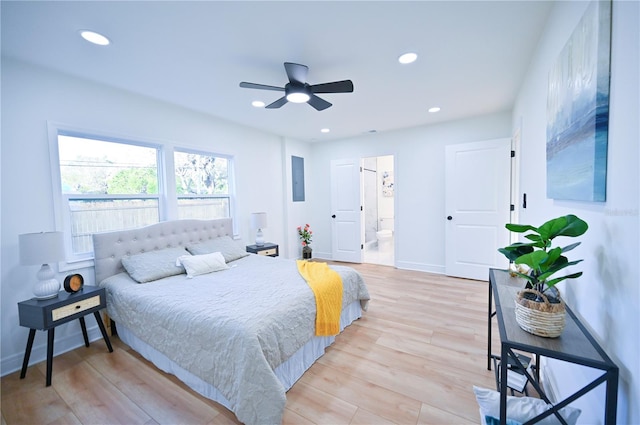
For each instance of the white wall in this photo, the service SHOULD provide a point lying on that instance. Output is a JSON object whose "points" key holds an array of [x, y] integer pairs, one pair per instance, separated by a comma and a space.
{"points": [[419, 173], [607, 296], [31, 96]]}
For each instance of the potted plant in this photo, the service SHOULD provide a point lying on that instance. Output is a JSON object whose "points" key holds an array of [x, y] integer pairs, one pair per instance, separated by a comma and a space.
{"points": [[543, 260], [305, 235]]}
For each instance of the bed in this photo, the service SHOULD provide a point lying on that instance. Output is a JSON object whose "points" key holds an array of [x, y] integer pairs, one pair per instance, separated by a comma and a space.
{"points": [[241, 333]]}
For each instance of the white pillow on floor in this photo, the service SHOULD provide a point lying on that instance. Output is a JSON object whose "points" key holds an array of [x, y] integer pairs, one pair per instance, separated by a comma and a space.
{"points": [[520, 409]]}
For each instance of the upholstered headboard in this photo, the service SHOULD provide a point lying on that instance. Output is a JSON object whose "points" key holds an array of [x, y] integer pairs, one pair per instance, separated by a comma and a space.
{"points": [[109, 248]]}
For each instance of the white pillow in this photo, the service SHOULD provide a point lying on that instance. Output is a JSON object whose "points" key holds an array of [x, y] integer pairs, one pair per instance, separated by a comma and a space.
{"points": [[230, 249], [521, 409], [153, 265], [201, 264]]}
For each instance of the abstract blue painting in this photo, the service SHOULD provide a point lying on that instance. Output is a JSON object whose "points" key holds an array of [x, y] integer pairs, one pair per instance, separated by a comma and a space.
{"points": [[578, 110]]}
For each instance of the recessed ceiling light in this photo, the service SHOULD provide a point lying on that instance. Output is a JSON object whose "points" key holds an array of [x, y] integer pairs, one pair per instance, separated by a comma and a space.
{"points": [[94, 37], [325, 130], [407, 58], [258, 103], [434, 109]]}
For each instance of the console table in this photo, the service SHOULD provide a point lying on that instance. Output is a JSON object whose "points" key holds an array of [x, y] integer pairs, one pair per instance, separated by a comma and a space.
{"points": [[575, 345]]}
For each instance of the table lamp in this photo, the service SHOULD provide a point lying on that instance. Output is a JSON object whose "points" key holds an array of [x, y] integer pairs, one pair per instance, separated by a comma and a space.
{"points": [[259, 221], [43, 248]]}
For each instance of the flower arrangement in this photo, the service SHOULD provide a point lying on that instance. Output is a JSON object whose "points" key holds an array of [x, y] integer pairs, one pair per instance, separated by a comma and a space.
{"points": [[305, 234]]}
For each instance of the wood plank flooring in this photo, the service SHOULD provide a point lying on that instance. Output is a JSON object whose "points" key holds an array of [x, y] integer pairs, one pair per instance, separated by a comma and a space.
{"points": [[411, 359]]}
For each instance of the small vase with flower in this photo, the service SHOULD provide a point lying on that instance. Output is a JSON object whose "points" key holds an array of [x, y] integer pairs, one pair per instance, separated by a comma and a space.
{"points": [[305, 236]]}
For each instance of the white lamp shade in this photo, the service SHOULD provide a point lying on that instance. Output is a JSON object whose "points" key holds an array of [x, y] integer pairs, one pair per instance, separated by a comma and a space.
{"points": [[259, 220], [41, 248]]}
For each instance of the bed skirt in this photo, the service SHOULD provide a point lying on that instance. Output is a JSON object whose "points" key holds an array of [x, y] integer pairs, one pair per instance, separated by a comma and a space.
{"points": [[287, 373]]}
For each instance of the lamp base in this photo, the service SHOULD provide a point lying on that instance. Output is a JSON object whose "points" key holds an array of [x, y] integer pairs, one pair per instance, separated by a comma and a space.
{"points": [[259, 238], [47, 287]]}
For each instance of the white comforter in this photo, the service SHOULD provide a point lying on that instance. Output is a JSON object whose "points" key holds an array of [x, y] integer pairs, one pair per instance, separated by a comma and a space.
{"points": [[230, 328]]}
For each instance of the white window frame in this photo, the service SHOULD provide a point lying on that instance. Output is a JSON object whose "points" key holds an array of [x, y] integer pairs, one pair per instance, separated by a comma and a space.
{"points": [[230, 180], [61, 201], [167, 195]]}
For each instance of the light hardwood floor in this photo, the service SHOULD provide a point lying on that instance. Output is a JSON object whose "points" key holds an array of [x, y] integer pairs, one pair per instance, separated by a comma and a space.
{"points": [[411, 359]]}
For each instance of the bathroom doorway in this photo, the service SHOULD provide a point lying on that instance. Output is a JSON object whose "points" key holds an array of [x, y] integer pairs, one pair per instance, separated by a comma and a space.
{"points": [[378, 210]]}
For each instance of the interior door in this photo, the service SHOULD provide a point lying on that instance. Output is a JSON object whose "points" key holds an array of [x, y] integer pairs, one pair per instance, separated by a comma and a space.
{"points": [[477, 207], [346, 211]]}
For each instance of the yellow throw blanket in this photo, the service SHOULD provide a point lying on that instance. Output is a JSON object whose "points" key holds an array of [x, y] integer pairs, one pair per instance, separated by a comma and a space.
{"points": [[326, 285]]}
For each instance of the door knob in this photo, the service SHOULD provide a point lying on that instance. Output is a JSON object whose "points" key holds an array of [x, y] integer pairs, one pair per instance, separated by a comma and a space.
{"points": [[449, 217], [333, 216]]}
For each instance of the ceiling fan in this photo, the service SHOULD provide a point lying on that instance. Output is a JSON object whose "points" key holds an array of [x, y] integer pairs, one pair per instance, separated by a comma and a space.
{"points": [[297, 90]]}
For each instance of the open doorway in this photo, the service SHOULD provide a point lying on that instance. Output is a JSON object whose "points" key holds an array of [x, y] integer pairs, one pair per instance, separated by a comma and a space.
{"points": [[378, 210]]}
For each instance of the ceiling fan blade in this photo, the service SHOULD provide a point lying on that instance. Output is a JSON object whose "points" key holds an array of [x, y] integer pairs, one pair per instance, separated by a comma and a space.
{"points": [[278, 103], [345, 86], [319, 104], [297, 73], [260, 86]]}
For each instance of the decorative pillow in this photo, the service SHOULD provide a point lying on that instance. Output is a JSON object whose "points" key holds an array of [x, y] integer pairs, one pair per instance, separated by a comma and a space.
{"points": [[154, 265], [520, 409], [229, 248], [202, 264]]}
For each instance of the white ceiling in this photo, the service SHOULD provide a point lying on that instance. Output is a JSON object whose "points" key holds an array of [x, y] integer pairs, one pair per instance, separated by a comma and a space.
{"points": [[473, 55]]}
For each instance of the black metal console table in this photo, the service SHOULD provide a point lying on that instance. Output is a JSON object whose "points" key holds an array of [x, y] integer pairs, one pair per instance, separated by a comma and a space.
{"points": [[575, 345]]}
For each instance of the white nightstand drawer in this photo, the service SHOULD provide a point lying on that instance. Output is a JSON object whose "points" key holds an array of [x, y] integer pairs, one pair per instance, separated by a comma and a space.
{"points": [[71, 309], [271, 251]]}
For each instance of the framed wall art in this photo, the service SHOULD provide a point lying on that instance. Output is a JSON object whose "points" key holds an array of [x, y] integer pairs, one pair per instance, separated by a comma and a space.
{"points": [[578, 110]]}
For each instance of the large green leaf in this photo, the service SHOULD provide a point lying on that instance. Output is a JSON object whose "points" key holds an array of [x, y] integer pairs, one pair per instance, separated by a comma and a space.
{"points": [[551, 283], [568, 225], [575, 227], [520, 228], [537, 240], [554, 255], [570, 247], [512, 252], [533, 259], [559, 264]]}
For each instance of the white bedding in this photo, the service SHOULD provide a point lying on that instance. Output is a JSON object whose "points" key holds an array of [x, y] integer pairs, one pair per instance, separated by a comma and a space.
{"points": [[230, 328]]}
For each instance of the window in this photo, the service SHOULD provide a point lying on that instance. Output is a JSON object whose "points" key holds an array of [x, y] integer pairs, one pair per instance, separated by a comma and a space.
{"points": [[105, 186], [105, 183], [202, 185]]}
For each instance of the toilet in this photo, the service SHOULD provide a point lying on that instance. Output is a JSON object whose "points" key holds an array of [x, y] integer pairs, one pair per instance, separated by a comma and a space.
{"points": [[385, 234]]}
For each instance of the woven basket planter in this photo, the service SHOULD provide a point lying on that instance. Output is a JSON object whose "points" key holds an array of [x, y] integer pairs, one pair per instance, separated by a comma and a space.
{"points": [[540, 318]]}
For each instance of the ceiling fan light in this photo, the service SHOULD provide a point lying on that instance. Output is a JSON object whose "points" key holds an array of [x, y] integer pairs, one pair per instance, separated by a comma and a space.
{"points": [[298, 97]]}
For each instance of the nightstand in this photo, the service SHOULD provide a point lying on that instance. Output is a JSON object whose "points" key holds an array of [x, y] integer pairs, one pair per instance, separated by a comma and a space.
{"points": [[270, 249], [47, 314]]}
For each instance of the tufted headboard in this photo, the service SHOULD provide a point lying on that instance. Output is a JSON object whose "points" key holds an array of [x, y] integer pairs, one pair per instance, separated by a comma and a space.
{"points": [[109, 248]]}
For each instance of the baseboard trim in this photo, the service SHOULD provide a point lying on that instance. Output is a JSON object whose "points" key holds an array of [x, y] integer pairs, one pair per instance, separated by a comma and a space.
{"points": [[62, 345], [420, 267]]}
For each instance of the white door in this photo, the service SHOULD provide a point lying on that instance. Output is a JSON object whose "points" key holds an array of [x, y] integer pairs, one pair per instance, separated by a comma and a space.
{"points": [[346, 211], [477, 206]]}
